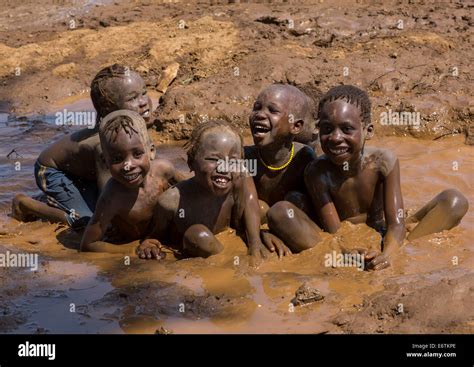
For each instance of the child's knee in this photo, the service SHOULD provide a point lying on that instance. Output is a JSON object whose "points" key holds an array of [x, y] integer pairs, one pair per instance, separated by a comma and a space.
{"points": [[19, 198], [454, 201], [263, 211], [281, 212], [199, 241]]}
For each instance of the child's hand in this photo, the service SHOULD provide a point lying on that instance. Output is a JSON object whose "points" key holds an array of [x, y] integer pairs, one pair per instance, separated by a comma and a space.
{"points": [[273, 243], [257, 252], [373, 260], [150, 249], [376, 261]]}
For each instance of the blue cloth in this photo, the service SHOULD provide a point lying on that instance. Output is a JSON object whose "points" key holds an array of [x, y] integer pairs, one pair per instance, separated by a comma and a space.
{"points": [[76, 197]]}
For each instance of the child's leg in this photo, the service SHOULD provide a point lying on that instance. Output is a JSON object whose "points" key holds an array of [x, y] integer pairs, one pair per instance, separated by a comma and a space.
{"points": [[445, 211], [293, 226], [199, 241], [263, 211], [26, 209], [72, 196]]}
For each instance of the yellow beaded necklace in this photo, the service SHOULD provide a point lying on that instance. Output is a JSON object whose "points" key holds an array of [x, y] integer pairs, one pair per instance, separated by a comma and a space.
{"points": [[281, 167]]}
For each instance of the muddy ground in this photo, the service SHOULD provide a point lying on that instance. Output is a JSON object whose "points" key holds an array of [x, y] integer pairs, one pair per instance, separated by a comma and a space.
{"points": [[227, 53], [410, 57]]}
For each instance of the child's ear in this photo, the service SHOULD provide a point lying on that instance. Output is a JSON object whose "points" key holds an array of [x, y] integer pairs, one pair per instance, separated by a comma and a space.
{"points": [[296, 127], [369, 131], [152, 151]]}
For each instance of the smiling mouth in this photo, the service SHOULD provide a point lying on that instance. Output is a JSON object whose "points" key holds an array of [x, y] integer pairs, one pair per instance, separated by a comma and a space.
{"points": [[131, 177], [260, 129], [339, 150], [220, 181], [145, 113]]}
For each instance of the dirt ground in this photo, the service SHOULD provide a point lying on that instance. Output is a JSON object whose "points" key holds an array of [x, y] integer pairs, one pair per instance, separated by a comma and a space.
{"points": [[410, 57], [227, 52]]}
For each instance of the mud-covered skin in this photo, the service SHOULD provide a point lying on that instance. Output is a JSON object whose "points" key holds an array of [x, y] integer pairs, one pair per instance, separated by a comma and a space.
{"points": [[277, 117], [128, 199], [80, 154], [188, 215], [362, 184]]}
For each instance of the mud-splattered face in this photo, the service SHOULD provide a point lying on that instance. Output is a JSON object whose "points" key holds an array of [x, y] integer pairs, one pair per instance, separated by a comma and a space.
{"points": [[342, 132], [272, 120], [128, 159], [216, 145], [129, 93]]}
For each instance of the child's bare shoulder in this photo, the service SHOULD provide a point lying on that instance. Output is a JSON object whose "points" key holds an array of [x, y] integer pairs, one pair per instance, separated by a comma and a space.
{"points": [[304, 152], [162, 167], [380, 159], [169, 200], [318, 169]]}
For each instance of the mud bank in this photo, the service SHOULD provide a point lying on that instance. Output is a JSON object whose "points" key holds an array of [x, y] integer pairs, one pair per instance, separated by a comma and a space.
{"points": [[410, 57]]}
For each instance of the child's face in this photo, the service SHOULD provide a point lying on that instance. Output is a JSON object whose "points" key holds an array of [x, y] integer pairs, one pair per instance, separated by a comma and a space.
{"points": [[215, 145], [128, 159], [270, 117], [129, 93], [342, 132]]}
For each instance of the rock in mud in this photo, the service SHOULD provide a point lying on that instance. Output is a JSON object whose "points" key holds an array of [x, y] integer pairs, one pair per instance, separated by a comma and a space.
{"points": [[305, 295]]}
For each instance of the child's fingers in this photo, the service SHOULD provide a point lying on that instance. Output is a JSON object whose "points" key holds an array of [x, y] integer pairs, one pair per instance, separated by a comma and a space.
{"points": [[380, 262], [155, 253], [371, 255], [148, 252]]}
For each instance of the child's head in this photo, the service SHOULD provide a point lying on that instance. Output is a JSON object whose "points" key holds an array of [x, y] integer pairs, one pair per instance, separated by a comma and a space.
{"points": [[279, 114], [117, 87], [344, 123], [126, 146], [211, 143]]}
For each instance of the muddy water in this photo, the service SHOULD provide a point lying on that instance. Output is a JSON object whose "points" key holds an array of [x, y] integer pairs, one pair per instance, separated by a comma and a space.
{"points": [[220, 294]]}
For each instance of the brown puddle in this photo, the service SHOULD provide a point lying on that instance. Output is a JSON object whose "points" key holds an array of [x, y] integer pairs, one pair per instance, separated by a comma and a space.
{"points": [[222, 294]]}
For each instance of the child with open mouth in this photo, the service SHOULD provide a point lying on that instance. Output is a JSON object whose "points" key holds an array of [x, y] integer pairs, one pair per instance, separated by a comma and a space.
{"points": [[71, 172], [360, 184], [188, 215], [129, 197]]}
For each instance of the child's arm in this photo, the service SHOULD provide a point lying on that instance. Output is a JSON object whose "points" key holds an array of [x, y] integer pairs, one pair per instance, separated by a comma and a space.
{"points": [[321, 198], [252, 222], [170, 172], [95, 230], [394, 219], [251, 214], [150, 247]]}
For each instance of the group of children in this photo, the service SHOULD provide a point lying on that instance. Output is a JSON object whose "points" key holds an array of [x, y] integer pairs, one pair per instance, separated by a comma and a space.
{"points": [[109, 180]]}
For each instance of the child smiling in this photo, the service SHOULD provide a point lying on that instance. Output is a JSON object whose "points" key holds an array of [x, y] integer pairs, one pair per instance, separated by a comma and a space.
{"points": [[188, 215], [71, 171], [138, 179], [361, 184]]}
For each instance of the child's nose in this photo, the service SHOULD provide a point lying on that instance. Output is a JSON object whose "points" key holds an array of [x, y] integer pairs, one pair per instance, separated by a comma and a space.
{"points": [[143, 101], [336, 136], [127, 165]]}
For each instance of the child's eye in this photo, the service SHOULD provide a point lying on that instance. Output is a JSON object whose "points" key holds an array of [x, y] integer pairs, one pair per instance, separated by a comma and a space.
{"points": [[347, 129], [256, 106], [325, 129], [273, 110], [144, 93], [138, 154], [116, 159], [211, 159]]}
